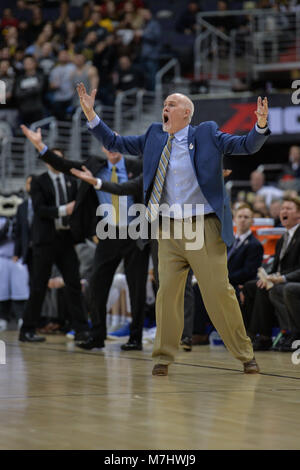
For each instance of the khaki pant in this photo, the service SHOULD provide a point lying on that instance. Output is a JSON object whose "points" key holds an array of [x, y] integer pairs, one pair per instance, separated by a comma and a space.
{"points": [[209, 265]]}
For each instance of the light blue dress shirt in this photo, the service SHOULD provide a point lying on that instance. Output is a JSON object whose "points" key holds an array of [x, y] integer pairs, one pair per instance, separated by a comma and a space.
{"points": [[181, 186], [105, 175]]}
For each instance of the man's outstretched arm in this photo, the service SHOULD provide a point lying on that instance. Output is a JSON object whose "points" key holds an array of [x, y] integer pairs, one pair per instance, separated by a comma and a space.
{"points": [[60, 164], [129, 145], [250, 143]]}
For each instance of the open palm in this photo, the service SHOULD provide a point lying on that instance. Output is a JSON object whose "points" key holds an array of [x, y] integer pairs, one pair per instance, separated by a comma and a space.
{"points": [[87, 101]]}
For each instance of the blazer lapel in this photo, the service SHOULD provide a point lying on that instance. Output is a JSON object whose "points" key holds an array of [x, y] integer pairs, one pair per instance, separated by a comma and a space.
{"points": [[192, 145], [68, 182]]}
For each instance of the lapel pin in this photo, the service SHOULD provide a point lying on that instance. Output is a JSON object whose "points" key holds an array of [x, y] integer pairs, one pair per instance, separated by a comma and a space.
{"points": [[191, 146]]}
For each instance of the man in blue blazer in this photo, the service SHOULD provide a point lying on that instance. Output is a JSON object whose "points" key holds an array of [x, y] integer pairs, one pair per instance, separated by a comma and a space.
{"points": [[182, 165]]}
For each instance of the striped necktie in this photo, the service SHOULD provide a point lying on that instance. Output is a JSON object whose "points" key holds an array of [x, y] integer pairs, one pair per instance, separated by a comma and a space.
{"points": [[153, 204], [114, 198]]}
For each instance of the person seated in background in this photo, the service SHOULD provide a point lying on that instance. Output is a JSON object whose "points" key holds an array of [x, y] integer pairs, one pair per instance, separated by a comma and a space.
{"points": [[127, 75], [259, 313], [290, 176], [258, 186], [274, 211], [244, 258], [14, 282]]}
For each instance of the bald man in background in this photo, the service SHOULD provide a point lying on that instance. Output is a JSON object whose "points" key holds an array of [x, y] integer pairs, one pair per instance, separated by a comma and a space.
{"points": [[183, 165]]}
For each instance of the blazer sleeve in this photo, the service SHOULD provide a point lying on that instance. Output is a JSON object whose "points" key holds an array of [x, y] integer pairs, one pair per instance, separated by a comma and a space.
{"points": [[129, 145], [247, 144], [132, 187], [293, 276], [59, 163]]}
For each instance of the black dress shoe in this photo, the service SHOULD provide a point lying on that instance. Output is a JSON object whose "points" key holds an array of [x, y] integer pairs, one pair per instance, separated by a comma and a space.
{"points": [[132, 346], [91, 343], [82, 335], [31, 337], [262, 343], [186, 343]]}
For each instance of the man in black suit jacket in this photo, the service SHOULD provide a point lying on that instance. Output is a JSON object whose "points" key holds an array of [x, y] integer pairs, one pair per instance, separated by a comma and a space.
{"points": [[53, 197], [243, 260], [23, 228], [109, 252], [258, 308]]}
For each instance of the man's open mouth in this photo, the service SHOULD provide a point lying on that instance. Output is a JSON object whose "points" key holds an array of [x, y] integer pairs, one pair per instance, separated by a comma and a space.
{"points": [[165, 118]]}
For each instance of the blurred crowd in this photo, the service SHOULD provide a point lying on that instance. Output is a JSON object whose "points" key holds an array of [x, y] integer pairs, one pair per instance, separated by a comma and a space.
{"points": [[112, 46]]}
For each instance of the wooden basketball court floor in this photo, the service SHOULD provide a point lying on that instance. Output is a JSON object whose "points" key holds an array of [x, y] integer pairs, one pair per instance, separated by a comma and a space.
{"points": [[56, 396]]}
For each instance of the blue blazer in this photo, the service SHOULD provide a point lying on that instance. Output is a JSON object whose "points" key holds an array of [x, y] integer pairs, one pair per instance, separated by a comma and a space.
{"points": [[207, 146]]}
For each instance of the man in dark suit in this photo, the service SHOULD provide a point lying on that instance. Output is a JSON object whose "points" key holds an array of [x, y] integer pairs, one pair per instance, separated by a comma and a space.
{"points": [[259, 312], [243, 260], [23, 229], [53, 197], [193, 181], [109, 252]]}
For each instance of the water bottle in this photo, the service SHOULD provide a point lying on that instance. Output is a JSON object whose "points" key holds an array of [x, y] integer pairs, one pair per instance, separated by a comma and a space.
{"points": [[215, 339]]}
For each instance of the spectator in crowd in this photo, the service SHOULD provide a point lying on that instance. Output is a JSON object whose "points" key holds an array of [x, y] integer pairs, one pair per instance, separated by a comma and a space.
{"points": [[150, 42], [61, 83], [127, 75], [259, 205], [7, 75], [71, 35], [258, 311], [290, 176], [29, 91], [11, 39], [84, 72], [8, 19], [258, 186], [23, 229], [274, 211], [18, 60], [53, 197], [36, 24], [46, 59], [14, 285], [104, 60], [95, 24], [243, 260], [187, 22]]}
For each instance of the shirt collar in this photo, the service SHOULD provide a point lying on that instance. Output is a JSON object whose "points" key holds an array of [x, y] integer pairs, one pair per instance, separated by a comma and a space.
{"points": [[120, 165], [292, 230], [182, 134], [54, 176], [243, 236]]}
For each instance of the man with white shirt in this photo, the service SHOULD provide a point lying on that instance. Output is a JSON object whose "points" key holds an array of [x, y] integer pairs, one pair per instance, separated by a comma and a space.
{"points": [[53, 198], [266, 307], [183, 164]]}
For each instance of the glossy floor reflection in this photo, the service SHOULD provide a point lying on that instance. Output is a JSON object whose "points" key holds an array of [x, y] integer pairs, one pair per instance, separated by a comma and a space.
{"points": [[55, 396]]}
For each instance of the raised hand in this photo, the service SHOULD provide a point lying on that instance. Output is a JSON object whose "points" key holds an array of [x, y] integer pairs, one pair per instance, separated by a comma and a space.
{"points": [[84, 175], [34, 137], [262, 111], [87, 101]]}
